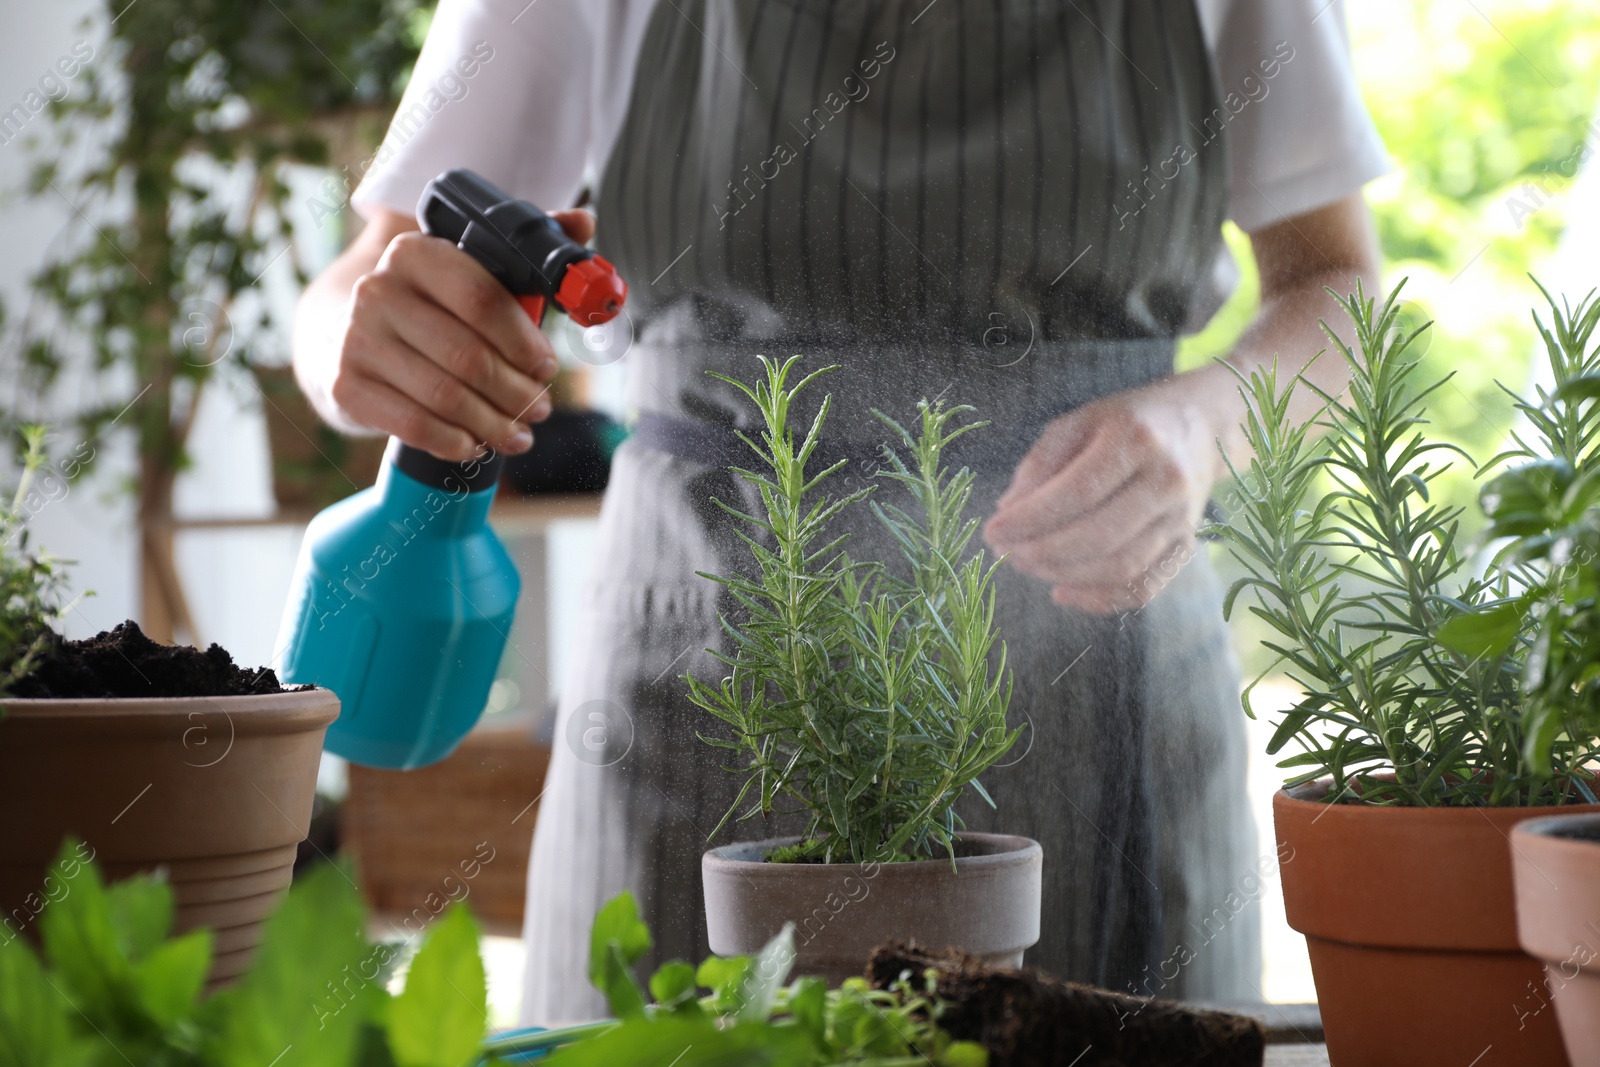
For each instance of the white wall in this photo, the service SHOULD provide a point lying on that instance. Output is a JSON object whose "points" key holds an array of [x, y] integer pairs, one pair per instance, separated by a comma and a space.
{"points": [[93, 523], [235, 581]]}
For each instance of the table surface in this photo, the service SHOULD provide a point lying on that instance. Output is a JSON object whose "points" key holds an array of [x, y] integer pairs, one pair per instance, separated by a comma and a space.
{"points": [[1293, 1029]]}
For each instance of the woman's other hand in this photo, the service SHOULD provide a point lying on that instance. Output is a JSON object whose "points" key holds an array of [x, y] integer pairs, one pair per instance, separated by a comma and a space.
{"points": [[1106, 505]]}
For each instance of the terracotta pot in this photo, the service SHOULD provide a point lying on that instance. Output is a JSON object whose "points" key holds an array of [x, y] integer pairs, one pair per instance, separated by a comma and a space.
{"points": [[1409, 917], [1557, 867], [217, 790], [988, 904]]}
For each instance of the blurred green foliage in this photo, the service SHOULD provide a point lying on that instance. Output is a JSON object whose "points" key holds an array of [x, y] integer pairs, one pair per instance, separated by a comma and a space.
{"points": [[1487, 110]]}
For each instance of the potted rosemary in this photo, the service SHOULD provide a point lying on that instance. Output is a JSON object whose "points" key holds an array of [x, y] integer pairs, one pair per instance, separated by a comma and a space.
{"points": [[152, 755], [867, 698], [1419, 742]]}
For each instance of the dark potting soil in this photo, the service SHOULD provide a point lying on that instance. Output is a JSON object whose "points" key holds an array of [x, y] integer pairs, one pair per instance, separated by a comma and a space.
{"points": [[1583, 832], [123, 662], [1027, 1018]]}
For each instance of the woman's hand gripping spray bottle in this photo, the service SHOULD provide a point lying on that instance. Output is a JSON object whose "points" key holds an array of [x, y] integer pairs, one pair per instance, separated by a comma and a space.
{"points": [[402, 598]]}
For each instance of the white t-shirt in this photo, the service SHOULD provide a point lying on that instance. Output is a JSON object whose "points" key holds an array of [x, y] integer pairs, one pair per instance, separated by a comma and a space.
{"points": [[532, 94]]}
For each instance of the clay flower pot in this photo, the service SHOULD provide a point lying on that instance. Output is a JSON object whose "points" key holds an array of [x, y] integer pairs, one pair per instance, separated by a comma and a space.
{"points": [[1409, 916], [217, 790], [1557, 866], [988, 904]]}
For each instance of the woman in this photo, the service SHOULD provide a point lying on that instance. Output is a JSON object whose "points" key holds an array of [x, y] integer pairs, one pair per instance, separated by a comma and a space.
{"points": [[1010, 203]]}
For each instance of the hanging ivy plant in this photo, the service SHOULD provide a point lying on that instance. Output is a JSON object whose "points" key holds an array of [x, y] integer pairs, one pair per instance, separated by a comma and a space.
{"points": [[170, 144]]}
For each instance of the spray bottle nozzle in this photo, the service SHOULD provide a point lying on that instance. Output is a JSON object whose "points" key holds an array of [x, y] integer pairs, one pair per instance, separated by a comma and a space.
{"points": [[526, 250]]}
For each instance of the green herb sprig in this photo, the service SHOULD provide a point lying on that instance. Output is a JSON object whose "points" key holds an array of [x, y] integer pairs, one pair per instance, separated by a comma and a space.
{"points": [[31, 584], [866, 700]]}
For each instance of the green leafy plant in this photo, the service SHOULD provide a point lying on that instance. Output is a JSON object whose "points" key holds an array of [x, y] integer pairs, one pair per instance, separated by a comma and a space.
{"points": [[867, 699], [1364, 581], [112, 987], [30, 583], [1546, 509], [738, 1010]]}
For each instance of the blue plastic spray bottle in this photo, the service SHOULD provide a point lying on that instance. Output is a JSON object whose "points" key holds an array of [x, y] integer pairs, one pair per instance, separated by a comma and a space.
{"points": [[402, 598]]}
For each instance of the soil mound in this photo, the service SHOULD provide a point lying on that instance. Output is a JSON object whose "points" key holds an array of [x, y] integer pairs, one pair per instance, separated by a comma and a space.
{"points": [[123, 662]]}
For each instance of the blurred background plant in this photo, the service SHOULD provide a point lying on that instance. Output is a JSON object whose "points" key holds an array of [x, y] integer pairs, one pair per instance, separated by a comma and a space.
{"points": [[188, 121], [1488, 114]]}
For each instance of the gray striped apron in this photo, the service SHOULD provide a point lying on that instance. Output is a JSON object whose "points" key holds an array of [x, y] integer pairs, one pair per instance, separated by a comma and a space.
{"points": [[960, 199]]}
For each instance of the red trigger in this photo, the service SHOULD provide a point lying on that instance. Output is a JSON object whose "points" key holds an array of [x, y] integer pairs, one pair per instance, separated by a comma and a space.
{"points": [[534, 306]]}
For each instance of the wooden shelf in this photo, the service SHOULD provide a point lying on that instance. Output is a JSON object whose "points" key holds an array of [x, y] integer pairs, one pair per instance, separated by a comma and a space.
{"points": [[512, 512], [517, 513]]}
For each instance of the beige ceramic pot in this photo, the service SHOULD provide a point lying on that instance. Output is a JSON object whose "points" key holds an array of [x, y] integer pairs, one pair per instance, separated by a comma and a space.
{"points": [[988, 904], [1557, 866], [216, 790], [1409, 916]]}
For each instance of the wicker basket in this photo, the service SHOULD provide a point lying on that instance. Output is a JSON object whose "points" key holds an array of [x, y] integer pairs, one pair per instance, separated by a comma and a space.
{"points": [[460, 829]]}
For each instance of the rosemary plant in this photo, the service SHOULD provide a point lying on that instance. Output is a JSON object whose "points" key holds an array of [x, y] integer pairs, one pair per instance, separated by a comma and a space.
{"points": [[1547, 510], [1364, 581], [866, 699], [30, 583]]}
